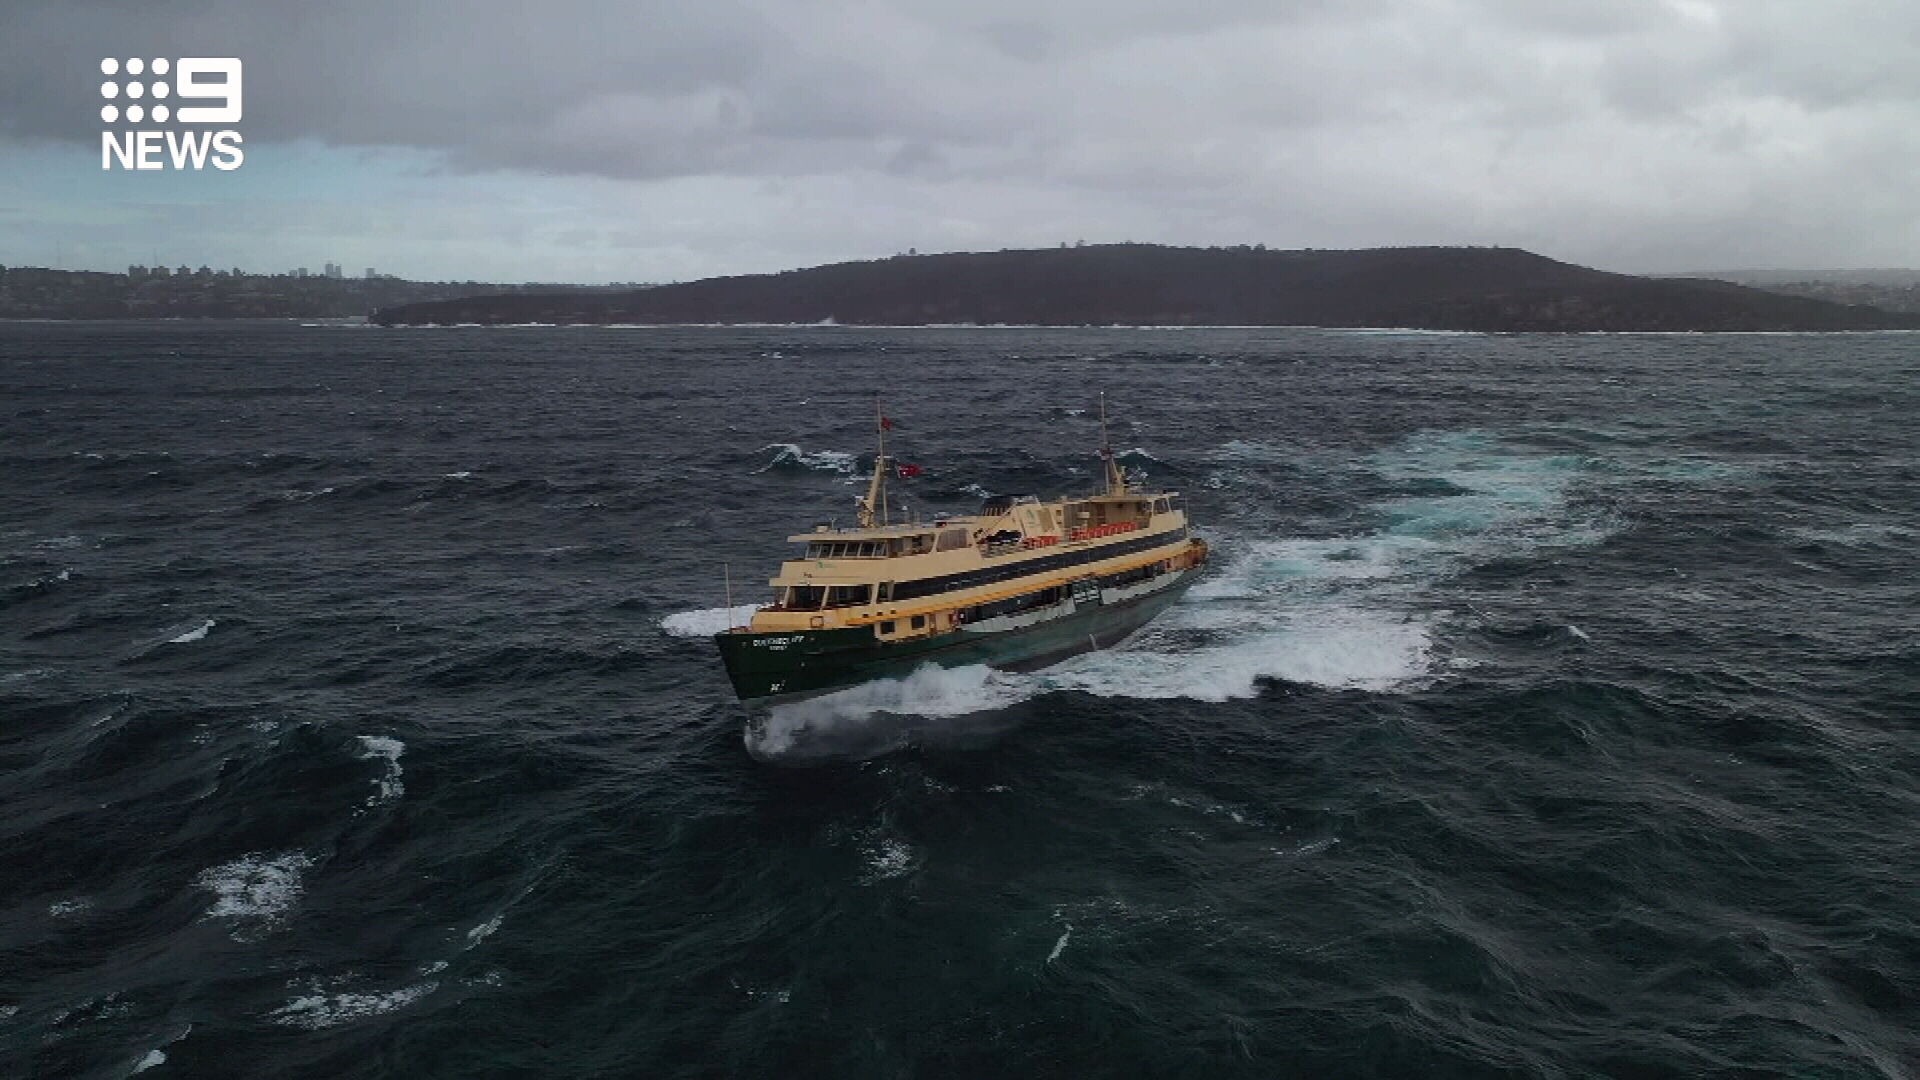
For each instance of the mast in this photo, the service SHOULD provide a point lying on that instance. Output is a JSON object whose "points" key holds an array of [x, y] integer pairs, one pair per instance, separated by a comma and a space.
{"points": [[876, 487], [1116, 480]]}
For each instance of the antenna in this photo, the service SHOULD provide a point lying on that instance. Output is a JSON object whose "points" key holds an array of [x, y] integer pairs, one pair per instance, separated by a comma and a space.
{"points": [[876, 499], [1116, 480], [726, 568]]}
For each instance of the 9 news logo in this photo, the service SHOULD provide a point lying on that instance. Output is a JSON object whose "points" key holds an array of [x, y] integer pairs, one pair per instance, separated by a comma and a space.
{"points": [[196, 79]]}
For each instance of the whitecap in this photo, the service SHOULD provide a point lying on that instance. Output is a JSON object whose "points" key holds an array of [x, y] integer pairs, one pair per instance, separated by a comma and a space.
{"points": [[319, 1010], [1336, 649], [836, 461], [887, 857], [1311, 847], [153, 1059], [193, 635], [1347, 612], [706, 622], [1060, 945], [256, 889], [483, 931], [383, 748]]}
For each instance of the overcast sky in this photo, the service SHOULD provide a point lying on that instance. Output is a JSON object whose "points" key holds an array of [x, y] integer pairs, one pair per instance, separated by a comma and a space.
{"points": [[598, 140]]}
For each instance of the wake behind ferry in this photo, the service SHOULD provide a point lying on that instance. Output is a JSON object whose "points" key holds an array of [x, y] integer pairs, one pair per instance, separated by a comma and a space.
{"points": [[1020, 585]]}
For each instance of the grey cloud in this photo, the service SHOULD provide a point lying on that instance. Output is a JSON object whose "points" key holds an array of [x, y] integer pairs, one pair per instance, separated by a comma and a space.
{"points": [[1589, 128]]}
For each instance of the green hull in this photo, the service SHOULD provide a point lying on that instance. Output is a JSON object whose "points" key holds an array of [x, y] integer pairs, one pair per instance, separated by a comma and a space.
{"points": [[776, 667]]}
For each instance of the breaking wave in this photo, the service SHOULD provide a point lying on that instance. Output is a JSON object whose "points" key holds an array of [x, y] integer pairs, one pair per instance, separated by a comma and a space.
{"points": [[1342, 612]]}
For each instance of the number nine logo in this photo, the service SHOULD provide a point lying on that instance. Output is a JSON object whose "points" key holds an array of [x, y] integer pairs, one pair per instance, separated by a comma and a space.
{"points": [[196, 79]]}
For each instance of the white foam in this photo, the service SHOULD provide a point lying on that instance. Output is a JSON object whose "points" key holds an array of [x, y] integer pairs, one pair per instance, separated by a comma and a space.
{"points": [[61, 909], [887, 857], [1311, 847], [321, 1010], [1344, 612], [256, 888], [192, 635], [153, 1059], [930, 691], [1060, 946], [835, 461], [482, 932], [382, 748], [706, 622], [1246, 450], [1337, 649]]}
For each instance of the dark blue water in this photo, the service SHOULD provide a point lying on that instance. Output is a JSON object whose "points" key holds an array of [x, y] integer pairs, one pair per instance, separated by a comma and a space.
{"points": [[1552, 710]]}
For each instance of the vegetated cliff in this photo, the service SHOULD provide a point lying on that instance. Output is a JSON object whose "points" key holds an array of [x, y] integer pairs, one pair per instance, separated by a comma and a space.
{"points": [[1478, 289]]}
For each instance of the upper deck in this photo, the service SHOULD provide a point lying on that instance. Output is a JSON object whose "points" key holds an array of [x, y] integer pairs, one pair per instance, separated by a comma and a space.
{"points": [[847, 575]]}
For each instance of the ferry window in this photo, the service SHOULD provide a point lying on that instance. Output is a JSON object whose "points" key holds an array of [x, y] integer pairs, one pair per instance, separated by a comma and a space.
{"points": [[1161, 506], [953, 539], [804, 597], [846, 595], [919, 622], [816, 551], [886, 591], [887, 627]]}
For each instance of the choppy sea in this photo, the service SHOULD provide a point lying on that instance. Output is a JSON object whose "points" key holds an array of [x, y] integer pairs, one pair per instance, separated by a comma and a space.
{"points": [[1551, 709]]}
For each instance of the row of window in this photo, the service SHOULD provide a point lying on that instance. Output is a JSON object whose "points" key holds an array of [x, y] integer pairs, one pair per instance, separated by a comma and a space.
{"points": [[992, 575], [917, 544], [1039, 598], [818, 597]]}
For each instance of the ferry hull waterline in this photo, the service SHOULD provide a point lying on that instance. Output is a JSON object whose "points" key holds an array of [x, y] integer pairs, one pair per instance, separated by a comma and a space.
{"points": [[1021, 585]]}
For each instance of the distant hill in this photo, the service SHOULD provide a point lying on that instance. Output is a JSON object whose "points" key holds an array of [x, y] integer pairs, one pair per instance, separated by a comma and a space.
{"points": [[1478, 289], [31, 292]]}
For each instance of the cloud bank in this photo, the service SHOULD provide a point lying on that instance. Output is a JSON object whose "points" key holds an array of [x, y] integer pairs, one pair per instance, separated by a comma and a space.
{"points": [[680, 139]]}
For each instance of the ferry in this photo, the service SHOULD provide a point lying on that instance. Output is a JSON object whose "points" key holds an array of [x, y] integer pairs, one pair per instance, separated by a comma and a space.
{"points": [[1020, 585]]}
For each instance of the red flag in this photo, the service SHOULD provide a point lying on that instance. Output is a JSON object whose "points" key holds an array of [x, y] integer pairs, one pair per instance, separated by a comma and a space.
{"points": [[886, 423], [907, 471]]}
